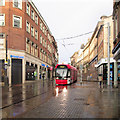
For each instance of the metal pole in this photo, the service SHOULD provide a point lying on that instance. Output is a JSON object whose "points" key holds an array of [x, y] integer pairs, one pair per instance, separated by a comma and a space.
{"points": [[6, 49], [108, 82], [81, 76]]}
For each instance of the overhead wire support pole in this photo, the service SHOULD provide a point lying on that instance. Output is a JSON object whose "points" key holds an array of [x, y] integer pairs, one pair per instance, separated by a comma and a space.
{"points": [[108, 82]]}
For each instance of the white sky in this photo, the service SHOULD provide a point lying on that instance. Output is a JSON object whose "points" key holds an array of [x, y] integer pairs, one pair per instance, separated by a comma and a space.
{"points": [[66, 18]]}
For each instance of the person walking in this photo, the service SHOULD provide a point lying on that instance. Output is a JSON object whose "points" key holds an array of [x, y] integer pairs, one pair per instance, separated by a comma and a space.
{"points": [[43, 76], [100, 80]]}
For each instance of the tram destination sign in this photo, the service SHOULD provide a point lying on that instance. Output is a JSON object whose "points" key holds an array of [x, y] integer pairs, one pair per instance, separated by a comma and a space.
{"points": [[62, 66]]}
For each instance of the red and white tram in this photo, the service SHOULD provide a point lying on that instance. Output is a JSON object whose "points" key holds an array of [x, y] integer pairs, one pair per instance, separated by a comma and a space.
{"points": [[65, 74]]}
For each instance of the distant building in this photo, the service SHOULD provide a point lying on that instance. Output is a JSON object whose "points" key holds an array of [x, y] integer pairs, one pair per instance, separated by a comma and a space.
{"points": [[74, 58], [32, 49], [102, 50], [116, 40], [94, 55]]}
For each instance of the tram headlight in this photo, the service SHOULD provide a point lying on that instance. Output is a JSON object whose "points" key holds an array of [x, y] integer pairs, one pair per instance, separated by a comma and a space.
{"points": [[64, 90]]}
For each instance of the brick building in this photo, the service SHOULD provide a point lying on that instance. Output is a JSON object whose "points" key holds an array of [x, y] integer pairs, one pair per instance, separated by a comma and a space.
{"points": [[32, 49]]}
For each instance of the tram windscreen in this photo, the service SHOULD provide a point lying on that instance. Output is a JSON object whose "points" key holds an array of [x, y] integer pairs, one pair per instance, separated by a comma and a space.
{"points": [[61, 72]]}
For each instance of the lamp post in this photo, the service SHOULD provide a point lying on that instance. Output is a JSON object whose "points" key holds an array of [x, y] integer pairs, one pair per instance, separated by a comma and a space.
{"points": [[6, 63], [6, 48], [108, 82]]}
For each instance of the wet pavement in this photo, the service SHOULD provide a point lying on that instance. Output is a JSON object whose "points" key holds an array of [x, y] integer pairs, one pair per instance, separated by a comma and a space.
{"points": [[45, 100]]}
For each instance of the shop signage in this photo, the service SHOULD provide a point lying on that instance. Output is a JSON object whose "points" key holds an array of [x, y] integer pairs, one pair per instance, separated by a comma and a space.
{"points": [[19, 57], [43, 65], [51, 68]]}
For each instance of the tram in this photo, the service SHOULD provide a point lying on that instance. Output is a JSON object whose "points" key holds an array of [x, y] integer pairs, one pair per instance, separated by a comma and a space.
{"points": [[65, 74]]}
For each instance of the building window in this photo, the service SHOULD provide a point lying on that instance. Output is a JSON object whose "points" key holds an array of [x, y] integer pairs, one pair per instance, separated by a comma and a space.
{"points": [[27, 26], [41, 39], [43, 29], [36, 51], [40, 54], [32, 14], [43, 42], [32, 48], [2, 19], [36, 34], [28, 9], [17, 3], [27, 45], [40, 25], [17, 21], [2, 40], [2, 2], [36, 19], [45, 32], [32, 31]]}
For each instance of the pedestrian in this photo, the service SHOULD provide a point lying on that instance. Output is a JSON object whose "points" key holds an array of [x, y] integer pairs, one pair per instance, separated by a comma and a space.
{"points": [[100, 79], [43, 76]]}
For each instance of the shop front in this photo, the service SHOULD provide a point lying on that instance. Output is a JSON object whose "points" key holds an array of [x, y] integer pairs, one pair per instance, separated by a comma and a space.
{"points": [[102, 67], [31, 71]]}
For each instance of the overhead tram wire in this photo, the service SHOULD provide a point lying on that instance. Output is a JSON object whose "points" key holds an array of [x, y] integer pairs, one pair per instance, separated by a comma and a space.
{"points": [[74, 36]]}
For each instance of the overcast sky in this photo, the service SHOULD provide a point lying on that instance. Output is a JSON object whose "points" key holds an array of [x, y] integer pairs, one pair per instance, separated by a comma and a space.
{"points": [[67, 18]]}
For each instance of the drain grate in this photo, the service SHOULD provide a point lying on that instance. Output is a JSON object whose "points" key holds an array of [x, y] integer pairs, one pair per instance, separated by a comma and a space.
{"points": [[82, 99], [86, 104]]}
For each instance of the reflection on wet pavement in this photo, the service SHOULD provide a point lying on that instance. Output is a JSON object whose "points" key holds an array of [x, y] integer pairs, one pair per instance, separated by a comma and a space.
{"points": [[18, 99], [86, 99]]}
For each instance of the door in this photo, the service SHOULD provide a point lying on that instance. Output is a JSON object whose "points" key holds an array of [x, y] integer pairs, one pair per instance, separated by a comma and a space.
{"points": [[16, 71]]}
